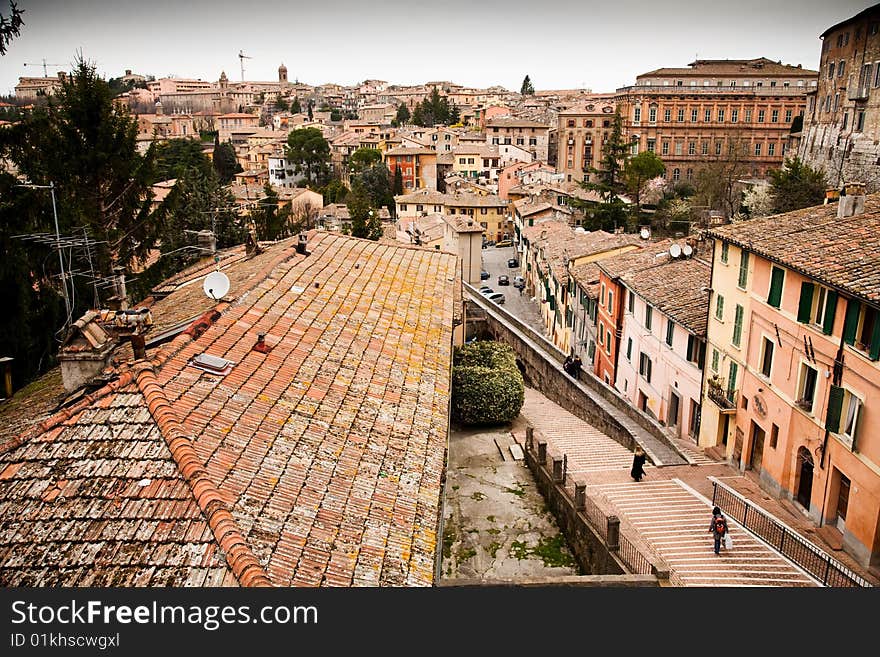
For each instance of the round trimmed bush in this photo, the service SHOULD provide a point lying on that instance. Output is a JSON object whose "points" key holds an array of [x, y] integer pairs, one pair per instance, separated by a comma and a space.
{"points": [[487, 386]]}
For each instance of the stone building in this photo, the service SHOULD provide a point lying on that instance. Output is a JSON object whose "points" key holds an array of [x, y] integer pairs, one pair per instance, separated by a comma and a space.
{"points": [[583, 130], [842, 120], [692, 115]]}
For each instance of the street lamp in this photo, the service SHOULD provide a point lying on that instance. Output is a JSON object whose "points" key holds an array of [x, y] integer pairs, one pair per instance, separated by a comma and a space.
{"points": [[51, 188]]}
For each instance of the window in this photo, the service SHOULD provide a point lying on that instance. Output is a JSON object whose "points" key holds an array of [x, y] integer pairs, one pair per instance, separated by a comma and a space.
{"points": [[731, 379], [637, 114], [760, 116], [743, 270], [717, 148], [667, 114], [610, 300], [645, 366], [766, 357], [715, 358], [736, 339], [664, 149], [676, 174], [830, 70], [533, 141], [602, 294], [862, 328], [631, 300], [705, 148], [678, 147], [807, 387], [721, 116], [719, 308], [771, 149], [689, 174], [707, 115], [601, 333], [845, 121], [841, 68], [652, 114], [788, 115], [692, 148], [860, 121], [757, 149], [694, 114], [649, 314], [651, 144], [571, 123], [484, 210], [774, 116], [777, 280], [774, 435], [670, 331], [419, 208], [748, 116], [629, 348], [403, 207], [734, 116], [680, 115], [608, 341]]}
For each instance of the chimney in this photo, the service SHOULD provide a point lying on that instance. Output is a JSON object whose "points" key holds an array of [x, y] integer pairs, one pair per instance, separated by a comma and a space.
{"points": [[119, 300], [302, 244], [128, 71], [85, 352], [6, 363], [852, 201], [207, 242]]}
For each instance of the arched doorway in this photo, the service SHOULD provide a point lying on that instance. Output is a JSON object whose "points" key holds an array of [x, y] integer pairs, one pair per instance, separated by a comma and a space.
{"points": [[805, 477]]}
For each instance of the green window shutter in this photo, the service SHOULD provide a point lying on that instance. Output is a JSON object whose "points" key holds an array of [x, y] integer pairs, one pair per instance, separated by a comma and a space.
{"points": [[875, 341], [690, 349], [830, 310], [851, 323], [719, 308], [731, 379], [777, 276], [835, 406], [738, 325], [629, 348], [743, 269], [805, 306]]}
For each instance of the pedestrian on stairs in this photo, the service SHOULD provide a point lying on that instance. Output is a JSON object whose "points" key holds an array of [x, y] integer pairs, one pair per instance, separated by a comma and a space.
{"points": [[638, 470], [718, 528]]}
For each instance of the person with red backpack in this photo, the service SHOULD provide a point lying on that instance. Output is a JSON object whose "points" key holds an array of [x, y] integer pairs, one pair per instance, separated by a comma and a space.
{"points": [[718, 528]]}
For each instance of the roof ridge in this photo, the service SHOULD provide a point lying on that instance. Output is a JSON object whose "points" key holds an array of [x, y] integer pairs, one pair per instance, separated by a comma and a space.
{"points": [[241, 559]]}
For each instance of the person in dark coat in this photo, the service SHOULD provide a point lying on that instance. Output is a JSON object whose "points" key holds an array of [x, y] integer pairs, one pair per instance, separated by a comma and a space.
{"points": [[576, 368], [567, 364], [638, 470], [718, 528]]}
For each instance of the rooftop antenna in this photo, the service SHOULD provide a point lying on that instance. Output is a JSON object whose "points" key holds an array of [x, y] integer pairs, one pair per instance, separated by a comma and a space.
{"points": [[241, 58], [44, 65]]}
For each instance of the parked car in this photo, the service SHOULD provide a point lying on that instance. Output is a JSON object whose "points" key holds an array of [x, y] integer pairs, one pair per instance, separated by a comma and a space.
{"points": [[497, 297], [512, 263], [484, 275], [485, 289], [519, 282], [503, 243], [488, 243], [503, 280]]}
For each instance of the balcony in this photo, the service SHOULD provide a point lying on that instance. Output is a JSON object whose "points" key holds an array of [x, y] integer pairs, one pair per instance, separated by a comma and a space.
{"points": [[724, 400], [857, 92]]}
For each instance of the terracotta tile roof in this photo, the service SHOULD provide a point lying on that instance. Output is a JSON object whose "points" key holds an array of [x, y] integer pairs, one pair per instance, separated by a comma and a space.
{"points": [[511, 122], [842, 253], [677, 287], [455, 200], [407, 150], [314, 461], [759, 67]]}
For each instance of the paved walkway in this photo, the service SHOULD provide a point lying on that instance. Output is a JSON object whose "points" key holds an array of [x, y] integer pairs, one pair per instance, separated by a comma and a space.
{"points": [[668, 512]]}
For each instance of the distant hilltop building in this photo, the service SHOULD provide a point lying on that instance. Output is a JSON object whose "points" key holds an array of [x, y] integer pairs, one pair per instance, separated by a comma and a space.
{"points": [[32, 88]]}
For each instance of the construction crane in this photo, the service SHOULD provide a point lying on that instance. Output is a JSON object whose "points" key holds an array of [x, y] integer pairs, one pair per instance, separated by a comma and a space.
{"points": [[241, 58], [44, 65]]}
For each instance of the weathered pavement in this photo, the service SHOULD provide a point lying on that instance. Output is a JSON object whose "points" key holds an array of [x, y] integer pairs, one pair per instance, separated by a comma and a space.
{"points": [[496, 525]]}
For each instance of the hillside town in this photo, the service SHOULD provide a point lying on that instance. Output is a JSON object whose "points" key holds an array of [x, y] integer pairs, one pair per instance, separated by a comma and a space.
{"points": [[242, 314]]}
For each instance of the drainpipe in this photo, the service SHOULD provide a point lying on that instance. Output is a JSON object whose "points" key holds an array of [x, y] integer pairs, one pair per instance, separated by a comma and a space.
{"points": [[708, 319], [618, 329]]}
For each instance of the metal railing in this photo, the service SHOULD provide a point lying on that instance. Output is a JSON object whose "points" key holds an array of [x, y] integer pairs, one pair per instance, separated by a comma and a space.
{"points": [[638, 563], [789, 543], [724, 400]]}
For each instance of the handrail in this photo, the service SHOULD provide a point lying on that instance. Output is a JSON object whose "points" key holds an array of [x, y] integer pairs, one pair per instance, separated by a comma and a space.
{"points": [[788, 542]]}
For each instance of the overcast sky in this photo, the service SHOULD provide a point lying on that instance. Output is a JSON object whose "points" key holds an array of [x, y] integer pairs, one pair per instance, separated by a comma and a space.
{"points": [[560, 44]]}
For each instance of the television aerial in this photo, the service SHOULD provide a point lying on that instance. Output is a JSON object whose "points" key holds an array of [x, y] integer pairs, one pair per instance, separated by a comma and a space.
{"points": [[687, 249], [241, 58], [674, 250], [216, 285]]}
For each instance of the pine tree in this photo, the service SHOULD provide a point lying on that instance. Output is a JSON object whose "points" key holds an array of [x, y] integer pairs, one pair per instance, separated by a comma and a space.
{"points": [[611, 212], [397, 185], [527, 88], [295, 107]]}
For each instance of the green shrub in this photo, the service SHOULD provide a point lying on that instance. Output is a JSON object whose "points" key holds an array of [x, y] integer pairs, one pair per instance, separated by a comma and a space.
{"points": [[487, 387]]}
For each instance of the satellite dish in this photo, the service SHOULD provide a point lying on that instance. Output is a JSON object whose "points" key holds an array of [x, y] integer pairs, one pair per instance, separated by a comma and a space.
{"points": [[687, 249], [675, 250], [645, 233], [216, 285]]}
